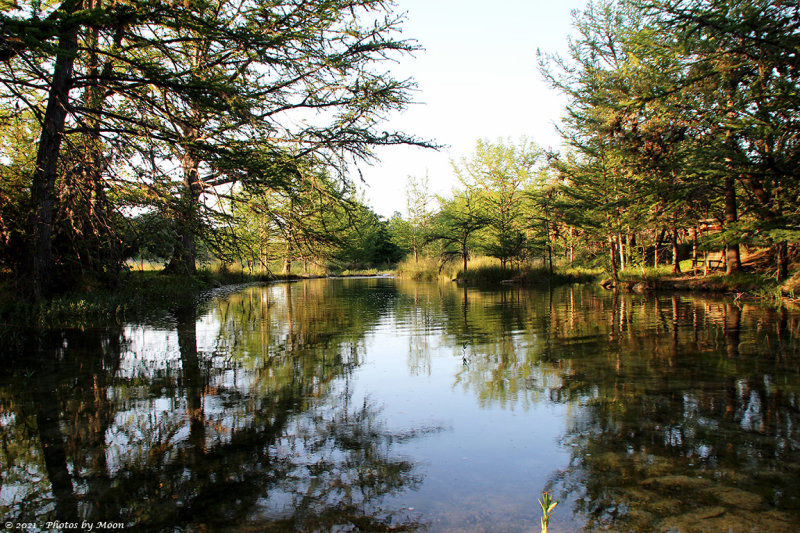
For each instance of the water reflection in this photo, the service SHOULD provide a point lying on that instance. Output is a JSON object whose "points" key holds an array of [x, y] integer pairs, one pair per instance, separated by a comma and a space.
{"points": [[689, 422], [320, 405], [237, 416]]}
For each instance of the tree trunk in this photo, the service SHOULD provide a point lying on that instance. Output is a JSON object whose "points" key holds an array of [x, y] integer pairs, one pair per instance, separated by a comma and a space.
{"points": [[44, 177], [571, 246], [659, 238], [629, 245], [783, 260], [287, 260], [184, 257], [734, 263], [676, 264], [614, 273]]}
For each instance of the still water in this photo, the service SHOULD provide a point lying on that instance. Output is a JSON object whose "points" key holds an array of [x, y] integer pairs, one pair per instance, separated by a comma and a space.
{"points": [[384, 405]]}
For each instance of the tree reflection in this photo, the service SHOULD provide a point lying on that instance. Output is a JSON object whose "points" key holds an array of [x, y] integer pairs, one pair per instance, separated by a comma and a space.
{"points": [[695, 434], [241, 414], [683, 410], [238, 417]]}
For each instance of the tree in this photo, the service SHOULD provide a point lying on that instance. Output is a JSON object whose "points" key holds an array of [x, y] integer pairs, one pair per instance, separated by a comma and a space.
{"points": [[743, 61], [497, 174], [306, 218], [413, 234], [220, 89], [17, 132], [457, 222]]}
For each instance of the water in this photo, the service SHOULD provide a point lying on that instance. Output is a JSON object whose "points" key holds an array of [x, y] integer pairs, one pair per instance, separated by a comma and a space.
{"points": [[384, 405]]}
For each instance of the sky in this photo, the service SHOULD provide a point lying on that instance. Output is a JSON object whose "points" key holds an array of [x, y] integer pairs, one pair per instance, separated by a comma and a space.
{"points": [[477, 78]]}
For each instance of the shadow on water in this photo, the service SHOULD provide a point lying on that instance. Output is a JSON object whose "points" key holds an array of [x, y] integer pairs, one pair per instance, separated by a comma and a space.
{"points": [[256, 412], [237, 417]]}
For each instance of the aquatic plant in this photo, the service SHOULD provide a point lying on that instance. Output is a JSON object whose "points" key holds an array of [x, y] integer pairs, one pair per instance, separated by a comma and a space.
{"points": [[548, 505]]}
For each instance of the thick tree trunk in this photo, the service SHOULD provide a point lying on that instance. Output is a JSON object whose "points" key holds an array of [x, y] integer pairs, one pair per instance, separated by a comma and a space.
{"points": [[184, 257], [44, 178], [734, 263]]}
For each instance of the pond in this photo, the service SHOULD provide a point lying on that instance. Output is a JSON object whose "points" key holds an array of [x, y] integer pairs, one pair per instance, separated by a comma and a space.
{"points": [[386, 405]]}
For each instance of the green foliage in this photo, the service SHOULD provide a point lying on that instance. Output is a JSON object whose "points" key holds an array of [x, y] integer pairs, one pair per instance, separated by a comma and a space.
{"points": [[366, 241], [16, 170], [458, 223], [152, 235], [674, 121], [415, 234], [497, 175], [209, 99]]}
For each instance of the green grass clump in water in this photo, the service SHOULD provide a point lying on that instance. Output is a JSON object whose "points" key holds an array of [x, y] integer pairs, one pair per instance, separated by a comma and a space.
{"points": [[482, 270], [486, 274], [528, 275], [424, 269]]}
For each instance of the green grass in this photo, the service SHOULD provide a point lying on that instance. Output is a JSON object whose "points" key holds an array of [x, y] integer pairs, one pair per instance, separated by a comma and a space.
{"points": [[425, 269], [754, 284], [482, 270], [487, 273], [387, 271]]}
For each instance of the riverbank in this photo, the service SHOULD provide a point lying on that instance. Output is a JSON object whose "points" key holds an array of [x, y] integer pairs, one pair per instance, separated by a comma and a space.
{"points": [[752, 284], [144, 293], [488, 271], [138, 293]]}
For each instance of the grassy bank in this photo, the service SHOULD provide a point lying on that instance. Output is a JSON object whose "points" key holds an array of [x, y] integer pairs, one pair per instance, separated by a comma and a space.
{"points": [[143, 291], [754, 281], [139, 293], [488, 271]]}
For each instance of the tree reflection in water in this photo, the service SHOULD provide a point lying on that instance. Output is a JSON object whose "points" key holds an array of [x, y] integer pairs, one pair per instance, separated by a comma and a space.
{"points": [[243, 424], [248, 413], [698, 436], [683, 412]]}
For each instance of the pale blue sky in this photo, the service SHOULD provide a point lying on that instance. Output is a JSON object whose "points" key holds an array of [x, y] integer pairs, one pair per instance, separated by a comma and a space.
{"points": [[478, 78]]}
